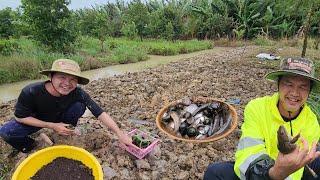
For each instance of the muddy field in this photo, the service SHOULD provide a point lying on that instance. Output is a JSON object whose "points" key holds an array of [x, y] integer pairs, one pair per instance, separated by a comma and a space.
{"points": [[130, 98]]}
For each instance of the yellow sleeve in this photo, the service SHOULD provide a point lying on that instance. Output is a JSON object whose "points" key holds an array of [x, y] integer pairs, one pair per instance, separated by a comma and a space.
{"points": [[251, 144]]}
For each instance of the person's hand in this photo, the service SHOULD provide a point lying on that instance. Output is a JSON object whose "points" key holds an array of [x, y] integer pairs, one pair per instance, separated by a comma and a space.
{"points": [[287, 164], [62, 129], [124, 139]]}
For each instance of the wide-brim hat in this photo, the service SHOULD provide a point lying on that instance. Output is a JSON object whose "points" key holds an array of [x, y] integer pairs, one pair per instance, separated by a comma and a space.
{"points": [[67, 66], [295, 66]]}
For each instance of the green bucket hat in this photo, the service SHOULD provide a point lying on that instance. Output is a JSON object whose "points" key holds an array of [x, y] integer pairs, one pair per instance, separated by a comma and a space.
{"points": [[295, 66], [67, 66]]}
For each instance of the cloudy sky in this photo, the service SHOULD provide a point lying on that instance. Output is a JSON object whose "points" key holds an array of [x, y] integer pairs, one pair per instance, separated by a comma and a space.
{"points": [[75, 4]]}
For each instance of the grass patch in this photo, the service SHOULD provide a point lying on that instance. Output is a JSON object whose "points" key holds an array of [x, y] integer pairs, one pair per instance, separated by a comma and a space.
{"points": [[17, 68], [128, 54], [224, 42], [89, 46], [163, 47], [32, 57], [263, 41], [4, 171]]}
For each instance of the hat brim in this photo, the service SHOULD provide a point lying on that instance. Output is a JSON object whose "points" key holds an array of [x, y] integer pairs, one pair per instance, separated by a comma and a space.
{"points": [[81, 79], [274, 75]]}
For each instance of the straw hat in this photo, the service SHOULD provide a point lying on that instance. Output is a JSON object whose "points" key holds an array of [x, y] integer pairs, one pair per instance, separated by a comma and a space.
{"points": [[69, 67]]}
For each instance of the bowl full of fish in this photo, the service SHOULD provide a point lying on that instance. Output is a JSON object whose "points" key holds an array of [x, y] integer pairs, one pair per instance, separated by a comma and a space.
{"points": [[197, 119]]}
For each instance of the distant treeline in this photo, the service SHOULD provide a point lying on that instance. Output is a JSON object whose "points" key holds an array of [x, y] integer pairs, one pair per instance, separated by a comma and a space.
{"points": [[53, 24]]}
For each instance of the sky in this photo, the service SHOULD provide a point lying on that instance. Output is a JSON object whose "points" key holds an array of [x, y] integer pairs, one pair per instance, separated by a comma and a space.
{"points": [[75, 4]]}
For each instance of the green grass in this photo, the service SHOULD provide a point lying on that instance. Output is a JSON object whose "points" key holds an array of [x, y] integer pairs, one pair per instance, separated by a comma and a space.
{"points": [[163, 47], [32, 57], [17, 68], [128, 54], [4, 170], [263, 41], [89, 46]]}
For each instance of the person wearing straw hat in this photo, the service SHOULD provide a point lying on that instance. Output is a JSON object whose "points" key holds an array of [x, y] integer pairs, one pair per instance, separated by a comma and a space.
{"points": [[55, 104], [257, 155]]}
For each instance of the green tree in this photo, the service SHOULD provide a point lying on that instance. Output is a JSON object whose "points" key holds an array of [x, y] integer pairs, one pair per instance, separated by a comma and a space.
{"points": [[115, 18], [138, 13], [169, 33], [129, 30], [51, 23], [95, 22], [6, 21]]}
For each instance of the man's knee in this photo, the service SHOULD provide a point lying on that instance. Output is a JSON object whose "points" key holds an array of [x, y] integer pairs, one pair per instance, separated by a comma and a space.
{"points": [[223, 170], [211, 171], [6, 130], [3, 134], [14, 128]]}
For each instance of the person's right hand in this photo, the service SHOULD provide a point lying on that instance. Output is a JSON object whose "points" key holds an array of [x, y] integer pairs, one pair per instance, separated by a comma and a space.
{"points": [[287, 164], [61, 128]]}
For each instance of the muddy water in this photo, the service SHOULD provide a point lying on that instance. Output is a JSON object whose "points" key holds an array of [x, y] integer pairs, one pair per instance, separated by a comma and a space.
{"points": [[11, 91]]}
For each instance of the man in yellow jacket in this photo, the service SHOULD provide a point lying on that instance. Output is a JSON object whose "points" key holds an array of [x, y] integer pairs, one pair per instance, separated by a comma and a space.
{"points": [[257, 155]]}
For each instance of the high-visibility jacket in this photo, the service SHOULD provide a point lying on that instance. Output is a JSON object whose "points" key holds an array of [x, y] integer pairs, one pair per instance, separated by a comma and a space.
{"points": [[259, 132]]}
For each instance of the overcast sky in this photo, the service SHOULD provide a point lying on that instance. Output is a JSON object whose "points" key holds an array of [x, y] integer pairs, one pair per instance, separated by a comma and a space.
{"points": [[75, 4]]}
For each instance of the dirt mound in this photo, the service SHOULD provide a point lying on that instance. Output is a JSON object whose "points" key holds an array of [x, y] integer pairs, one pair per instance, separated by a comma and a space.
{"points": [[133, 97]]}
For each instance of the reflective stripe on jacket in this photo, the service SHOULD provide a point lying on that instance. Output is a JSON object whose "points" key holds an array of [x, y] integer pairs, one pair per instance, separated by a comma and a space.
{"points": [[259, 132]]}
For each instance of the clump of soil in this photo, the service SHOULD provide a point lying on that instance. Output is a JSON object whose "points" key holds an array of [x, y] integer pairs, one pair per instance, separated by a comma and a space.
{"points": [[64, 168]]}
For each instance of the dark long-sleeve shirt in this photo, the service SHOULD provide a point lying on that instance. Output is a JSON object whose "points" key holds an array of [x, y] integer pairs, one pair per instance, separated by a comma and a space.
{"points": [[35, 101]]}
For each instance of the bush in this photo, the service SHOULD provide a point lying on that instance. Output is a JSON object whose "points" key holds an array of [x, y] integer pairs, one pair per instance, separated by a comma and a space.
{"points": [[128, 54], [4, 76], [163, 50], [8, 47], [17, 68], [90, 45]]}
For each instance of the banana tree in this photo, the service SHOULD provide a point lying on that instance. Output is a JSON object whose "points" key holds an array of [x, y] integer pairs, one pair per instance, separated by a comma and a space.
{"points": [[285, 28], [214, 21]]}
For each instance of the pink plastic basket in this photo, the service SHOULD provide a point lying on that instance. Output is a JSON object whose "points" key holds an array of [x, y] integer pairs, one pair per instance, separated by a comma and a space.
{"points": [[136, 151]]}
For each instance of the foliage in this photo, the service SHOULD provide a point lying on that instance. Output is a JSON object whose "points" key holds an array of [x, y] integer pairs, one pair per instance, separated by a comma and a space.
{"points": [[8, 47], [314, 102], [6, 21], [138, 13], [96, 23], [51, 23], [33, 57], [128, 54], [169, 32], [129, 30], [202, 19], [4, 168], [16, 68], [263, 41]]}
